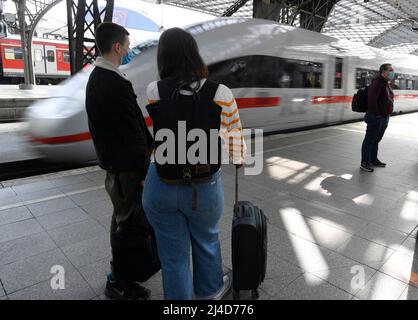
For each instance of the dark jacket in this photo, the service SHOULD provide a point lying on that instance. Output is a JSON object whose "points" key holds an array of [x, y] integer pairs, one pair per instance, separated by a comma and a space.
{"points": [[380, 97], [120, 135]]}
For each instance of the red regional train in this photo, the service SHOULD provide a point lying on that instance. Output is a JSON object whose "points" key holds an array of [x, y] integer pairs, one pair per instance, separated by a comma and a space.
{"points": [[51, 60]]}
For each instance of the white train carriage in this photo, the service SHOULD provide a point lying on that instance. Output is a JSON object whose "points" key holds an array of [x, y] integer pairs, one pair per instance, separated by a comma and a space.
{"points": [[282, 78]]}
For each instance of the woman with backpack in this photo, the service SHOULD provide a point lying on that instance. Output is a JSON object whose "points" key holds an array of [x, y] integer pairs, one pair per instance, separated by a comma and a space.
{"points": [[183, 198]]}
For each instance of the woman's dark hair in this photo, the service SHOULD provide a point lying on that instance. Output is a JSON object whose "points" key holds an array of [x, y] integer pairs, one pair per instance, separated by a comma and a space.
{"points": [[178, 58]]}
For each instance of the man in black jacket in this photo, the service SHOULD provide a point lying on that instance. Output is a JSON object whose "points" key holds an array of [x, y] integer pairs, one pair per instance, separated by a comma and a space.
{"points": [[379, 108], [122, 142]]}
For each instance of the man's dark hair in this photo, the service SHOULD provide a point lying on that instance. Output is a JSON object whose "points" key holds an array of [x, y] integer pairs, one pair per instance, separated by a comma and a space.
{"points": [[178, 58], [109, 33], [384, 67]]}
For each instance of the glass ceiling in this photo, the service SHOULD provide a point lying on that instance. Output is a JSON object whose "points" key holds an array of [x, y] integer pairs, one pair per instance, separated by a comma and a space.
{"points": [[215, 7], [385, 24]]}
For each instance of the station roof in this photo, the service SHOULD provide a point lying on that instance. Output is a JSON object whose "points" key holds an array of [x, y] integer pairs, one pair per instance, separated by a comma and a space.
{"points": [[386, 24]]}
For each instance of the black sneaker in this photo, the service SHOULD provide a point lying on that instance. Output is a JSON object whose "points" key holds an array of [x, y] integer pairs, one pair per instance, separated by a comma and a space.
{"points": [[122, 290], [379, 164], [366, 167]]}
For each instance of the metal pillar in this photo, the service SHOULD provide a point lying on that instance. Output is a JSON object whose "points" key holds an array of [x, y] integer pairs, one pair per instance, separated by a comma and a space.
{"points": [[3, 24], [314, 13], [267, 9], [311, 14], [33, 25], [28, 84], [27, 22], [81, 30]]}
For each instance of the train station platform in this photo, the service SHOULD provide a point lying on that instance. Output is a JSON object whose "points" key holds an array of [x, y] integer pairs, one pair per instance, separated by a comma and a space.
{"points": [[13, 100], [334, 232]]}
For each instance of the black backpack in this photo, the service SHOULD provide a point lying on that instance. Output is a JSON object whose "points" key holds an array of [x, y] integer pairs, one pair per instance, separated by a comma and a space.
{"points": [[359, 103], [198, 111]]}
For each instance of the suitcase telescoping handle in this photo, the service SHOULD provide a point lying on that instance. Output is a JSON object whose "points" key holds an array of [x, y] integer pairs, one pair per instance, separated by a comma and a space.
{"points": [[236, 185]]}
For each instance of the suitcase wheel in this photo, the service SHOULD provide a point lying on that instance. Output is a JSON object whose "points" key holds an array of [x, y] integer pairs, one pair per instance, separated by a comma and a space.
{"points": [[254, 294], [235, 295]]}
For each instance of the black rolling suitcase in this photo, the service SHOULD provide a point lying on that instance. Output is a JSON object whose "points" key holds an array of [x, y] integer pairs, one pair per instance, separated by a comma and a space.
{"points": [[249, 246]]}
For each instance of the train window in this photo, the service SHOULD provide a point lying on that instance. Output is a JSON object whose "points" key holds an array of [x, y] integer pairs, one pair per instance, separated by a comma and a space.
{"points": [[410, 84], [364, 77], [13, 53], [267, 72], [18, 54], [50, 56], [66, 57], [405, 82], [143, 46], [338, 73], [38, 55], [9, 53], [401, 82]]}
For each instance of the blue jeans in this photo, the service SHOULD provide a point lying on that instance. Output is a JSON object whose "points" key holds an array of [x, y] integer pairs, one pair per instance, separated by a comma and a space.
{"points": [[168, 208], [376, 126]]}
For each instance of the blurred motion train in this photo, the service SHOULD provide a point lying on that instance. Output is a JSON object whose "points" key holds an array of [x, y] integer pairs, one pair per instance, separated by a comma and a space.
{"points": [[282, 78], [51, 60]]}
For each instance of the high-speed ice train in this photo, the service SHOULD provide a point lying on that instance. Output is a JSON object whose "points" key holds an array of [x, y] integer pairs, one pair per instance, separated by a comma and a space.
{"points": [[282, 78]]}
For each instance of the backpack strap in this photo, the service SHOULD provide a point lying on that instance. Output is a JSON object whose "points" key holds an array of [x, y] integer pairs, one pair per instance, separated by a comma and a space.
{"points": [[208, 91], [165, 89]]}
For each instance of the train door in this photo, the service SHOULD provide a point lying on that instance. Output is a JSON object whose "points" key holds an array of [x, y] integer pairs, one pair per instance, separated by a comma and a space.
{"points": [[38, 59], [51, 63], [350, 86], [336, 100]]}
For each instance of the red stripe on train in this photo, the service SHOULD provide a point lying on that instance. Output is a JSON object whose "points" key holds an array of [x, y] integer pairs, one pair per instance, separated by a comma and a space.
{"points": [[331, 99], [241, 102], [348, 99], [244, 103], [64, 139], [148, 121], [406, 96]]}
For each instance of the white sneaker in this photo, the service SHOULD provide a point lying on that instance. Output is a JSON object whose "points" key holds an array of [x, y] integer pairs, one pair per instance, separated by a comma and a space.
{"points": [[222, 292]]}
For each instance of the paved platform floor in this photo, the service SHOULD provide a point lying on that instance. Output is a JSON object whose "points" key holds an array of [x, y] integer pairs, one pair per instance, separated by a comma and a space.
{"points": [[334, 232], [8, 92]]}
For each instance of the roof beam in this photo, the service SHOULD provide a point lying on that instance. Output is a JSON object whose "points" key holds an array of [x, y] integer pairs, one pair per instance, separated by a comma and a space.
{"points": [[314, 13], [380, 36], [234, 8]]}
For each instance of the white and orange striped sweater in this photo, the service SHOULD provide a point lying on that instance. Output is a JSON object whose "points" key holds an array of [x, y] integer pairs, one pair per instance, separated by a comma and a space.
{"points": [[231, 128]]}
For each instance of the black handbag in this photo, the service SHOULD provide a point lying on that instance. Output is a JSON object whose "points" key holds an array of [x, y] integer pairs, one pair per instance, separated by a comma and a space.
{"points": [[134, 252]]}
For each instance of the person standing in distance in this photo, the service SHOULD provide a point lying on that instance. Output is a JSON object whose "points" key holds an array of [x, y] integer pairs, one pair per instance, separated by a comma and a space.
{"points": [[379, 108]]}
